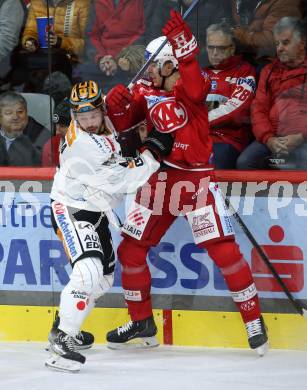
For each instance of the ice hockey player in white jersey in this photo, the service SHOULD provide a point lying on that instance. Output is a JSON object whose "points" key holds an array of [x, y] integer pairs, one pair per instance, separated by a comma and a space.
{"points": [[92, 178]]}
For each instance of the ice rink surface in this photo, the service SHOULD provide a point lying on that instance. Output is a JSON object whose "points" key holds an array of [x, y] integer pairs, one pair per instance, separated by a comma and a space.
{"points": [[22, 368]]}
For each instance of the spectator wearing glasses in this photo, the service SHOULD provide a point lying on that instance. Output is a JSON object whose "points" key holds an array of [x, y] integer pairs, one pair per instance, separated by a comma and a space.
{"points": [[232, 91], [207, 12], [280, 106]]}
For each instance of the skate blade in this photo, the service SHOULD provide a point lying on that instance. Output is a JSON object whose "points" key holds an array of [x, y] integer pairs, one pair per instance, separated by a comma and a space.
{"points": [[79, 347], [138, 343], [56, 362], [263, 349]]}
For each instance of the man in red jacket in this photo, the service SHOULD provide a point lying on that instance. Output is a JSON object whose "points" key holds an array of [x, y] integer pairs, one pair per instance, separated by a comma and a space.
{"points": [[174, 102], [280, 107], [232, 90]]}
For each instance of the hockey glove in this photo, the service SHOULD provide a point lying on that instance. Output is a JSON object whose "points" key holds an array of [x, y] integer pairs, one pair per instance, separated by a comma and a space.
{"points": [[160, 144], [180, 37], [118, 98]]}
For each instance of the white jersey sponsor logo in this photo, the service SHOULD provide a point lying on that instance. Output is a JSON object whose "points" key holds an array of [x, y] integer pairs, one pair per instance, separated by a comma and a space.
{"points": [[88, 236], [65, 225]]}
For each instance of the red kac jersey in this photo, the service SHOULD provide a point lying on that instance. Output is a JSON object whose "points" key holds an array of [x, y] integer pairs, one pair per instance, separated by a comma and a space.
{"points": [[181, 112]]}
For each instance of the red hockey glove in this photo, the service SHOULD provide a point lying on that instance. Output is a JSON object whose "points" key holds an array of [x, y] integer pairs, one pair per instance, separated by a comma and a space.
{"points": [[180, 37], [118, 98]]}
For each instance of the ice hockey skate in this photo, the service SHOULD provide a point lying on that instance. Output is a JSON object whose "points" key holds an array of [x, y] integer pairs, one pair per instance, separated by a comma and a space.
{"points": [[134, 334], [257, 336], [63, 356], [83, 340]]}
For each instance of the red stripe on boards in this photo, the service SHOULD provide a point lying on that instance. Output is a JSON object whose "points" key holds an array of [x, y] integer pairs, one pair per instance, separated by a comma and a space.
{"points": [[167, 327]]}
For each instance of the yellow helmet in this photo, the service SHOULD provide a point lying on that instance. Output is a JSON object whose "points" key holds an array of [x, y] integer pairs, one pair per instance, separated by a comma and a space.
{"points": [[85, 96]]}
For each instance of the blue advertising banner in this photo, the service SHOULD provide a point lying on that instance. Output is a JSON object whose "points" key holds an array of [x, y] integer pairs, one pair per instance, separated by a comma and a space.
{"points": [[33, 259]]}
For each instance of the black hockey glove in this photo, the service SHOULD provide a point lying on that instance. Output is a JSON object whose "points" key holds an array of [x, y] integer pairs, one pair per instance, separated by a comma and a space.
{"points": [[160, 144]]}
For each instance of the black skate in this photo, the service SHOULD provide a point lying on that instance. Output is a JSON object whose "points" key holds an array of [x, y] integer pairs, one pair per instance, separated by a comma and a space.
{"points": [[257, 335], [134, 334], [63, 356], [83, 340]]}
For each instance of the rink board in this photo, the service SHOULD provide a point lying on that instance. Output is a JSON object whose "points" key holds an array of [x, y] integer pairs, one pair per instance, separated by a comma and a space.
{"points": [[185, 328], [191, 301]]}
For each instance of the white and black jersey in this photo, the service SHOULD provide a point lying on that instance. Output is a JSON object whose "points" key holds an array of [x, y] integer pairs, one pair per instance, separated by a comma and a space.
{"points": [[93, 175], [92, 178]]}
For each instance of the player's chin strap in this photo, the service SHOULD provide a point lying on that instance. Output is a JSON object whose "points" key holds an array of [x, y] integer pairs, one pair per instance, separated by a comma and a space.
{"points": [[165, 77]]}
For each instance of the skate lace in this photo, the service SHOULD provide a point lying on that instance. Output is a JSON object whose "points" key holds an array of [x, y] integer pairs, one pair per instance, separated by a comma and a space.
{"points": [[79, 336], [69, 342], [125, 328], [253, 328]]}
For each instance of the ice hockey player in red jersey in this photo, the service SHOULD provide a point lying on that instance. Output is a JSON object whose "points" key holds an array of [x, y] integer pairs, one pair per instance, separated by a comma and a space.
{"points": [[174, 102]]}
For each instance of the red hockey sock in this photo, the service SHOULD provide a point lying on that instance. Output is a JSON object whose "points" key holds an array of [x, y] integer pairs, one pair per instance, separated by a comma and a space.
{"points": [[136, 279], [238, 276]]}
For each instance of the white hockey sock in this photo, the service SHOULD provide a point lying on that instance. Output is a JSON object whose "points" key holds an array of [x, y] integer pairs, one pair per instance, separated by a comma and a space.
{"points": [[73, 310], [86, 284]]}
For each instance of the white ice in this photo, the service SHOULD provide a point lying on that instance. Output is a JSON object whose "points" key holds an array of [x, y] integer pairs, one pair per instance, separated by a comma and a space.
{"points": [[175, 368]]}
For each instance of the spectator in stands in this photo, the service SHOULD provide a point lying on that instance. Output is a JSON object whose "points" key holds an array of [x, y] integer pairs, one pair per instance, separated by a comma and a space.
{"points": [[61, 121], [66, 40], [27, 3], [279, 110], [16, 148], [57, 85], [254, 22], [70, 18], [114, 26], [13, 108], [11, 23], [232, 89]]}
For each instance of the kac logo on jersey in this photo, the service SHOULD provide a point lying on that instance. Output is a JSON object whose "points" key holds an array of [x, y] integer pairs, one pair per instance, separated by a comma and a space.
{"points": [[168, 115]]}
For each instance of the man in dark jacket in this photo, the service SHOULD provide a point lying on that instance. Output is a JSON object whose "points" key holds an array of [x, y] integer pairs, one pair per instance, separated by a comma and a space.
{"points": [[21, 137]]}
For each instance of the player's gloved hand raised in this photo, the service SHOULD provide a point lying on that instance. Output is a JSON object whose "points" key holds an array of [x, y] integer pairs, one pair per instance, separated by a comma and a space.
{"points": [[118, 98], [180, 37], [160, 144]]}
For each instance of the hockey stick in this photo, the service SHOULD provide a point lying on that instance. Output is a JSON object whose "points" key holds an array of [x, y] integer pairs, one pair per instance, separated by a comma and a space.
{"points": [[296, 303], [146, 65]]}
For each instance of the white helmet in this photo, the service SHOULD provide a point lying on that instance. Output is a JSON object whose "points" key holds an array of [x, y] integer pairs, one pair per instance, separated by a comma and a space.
{"points": [[166, 54]]}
